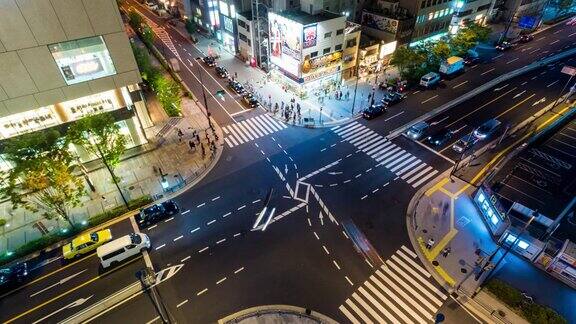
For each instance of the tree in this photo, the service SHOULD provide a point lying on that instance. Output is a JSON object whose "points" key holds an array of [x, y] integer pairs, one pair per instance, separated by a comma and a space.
{"points": [[411, 63], [42, 178], [468, 36], [168, 94], [135, 20], [147, 70], [482, 33], [100, 136], [147, 35]]}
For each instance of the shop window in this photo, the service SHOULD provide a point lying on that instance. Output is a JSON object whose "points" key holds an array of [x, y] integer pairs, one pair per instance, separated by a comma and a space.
{"points": [[340, 32], [314, 54], [326, 50], [338, 47], [83, 59], [328, 34]]}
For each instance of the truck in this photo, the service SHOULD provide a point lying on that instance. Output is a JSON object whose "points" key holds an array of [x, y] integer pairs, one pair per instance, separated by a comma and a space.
{"points": [[452, 66]]}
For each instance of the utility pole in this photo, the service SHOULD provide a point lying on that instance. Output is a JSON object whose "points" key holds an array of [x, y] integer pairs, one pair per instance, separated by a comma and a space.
{"points": [[203, 91], [112, 175], [355, 90]]}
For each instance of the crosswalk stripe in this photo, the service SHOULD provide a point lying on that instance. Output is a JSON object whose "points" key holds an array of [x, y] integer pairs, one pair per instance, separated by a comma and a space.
{"points": [[428, 176], [345, 127], [406, 298], [360, 313], [408, 167], [404, 177], [352, 131], [342, 132], [275, 122], [382, 298], [246, 132], [414, 264], [263, 124], [232, 139], [375, 141], [379, 147], [225, 129], [357, 135], [389, 303], [348, 315], [414, 274], [431, 297], [259, 126], [370, 310], [228, 142], [419, 174], [407, 250], [410, 159], [386, 148], [269, 122], [240, 133], [364, 138], [389, 153], [234, 134], [390, 163], [254, 128], [412, 292], [249, 129]]}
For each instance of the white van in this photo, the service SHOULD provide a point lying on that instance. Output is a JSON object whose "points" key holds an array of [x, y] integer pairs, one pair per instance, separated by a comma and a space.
{"points": [[122, 248]]}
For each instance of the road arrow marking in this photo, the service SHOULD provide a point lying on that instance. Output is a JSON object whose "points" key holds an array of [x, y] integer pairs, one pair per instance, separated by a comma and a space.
{"points": [[518, 95], [321, 218], [75, 303], [539, 101], [285, 168], [500, 88], [58, 283], [438, 122]]}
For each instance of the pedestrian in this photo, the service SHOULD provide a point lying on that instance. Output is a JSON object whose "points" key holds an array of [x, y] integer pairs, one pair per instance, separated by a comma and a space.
{"points": [[207, 137], [298, 108], [192, 145], [430, 243], [235, 75], [198, 137], [216, 136], [203, 150], [446, 251]]}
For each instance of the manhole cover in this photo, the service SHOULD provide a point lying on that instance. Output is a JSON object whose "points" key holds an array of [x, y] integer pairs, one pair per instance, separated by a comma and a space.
{"points": [[435, 263], [463, 270]]}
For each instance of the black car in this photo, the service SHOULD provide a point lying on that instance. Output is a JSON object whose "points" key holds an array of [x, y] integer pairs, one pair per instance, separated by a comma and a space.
{"points": [[250, 100], [471, 60], [526, 38], [12, 276], [392, 98], [440, 137], [236, 86], [153, 214], [209, 60], [221, 71], [504, 46], [374, 111]]}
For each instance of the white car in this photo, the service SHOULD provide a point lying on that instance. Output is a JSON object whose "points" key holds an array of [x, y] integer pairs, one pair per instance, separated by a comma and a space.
{"points": [[151, 5], [121, 249]]}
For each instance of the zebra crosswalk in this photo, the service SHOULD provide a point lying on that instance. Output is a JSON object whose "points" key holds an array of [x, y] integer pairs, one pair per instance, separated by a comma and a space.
{"points": [[401, 291], [162, 34], [405, 165], [250, 129]]}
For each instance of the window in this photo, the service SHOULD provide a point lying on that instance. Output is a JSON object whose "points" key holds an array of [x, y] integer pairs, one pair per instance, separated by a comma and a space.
{"points": [[241, 23], [83, 59], [113, 254], [313, 54], [326, 50], [224, 8], [328, 34], [428, 3], [340, 32], [351, 43], [484, 7], [338, 47], [434, 2], [242, 37], [249, 42], [436, 13], [422, 4]]}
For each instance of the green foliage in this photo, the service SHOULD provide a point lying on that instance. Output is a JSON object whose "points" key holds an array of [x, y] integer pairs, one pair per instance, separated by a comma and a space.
{"points": [[2, 222], [534, 313], [51, 239], [168, 94], [99, 135], [147, 35], [42, 178], [135, 20], [147, 70], [468, 36]]}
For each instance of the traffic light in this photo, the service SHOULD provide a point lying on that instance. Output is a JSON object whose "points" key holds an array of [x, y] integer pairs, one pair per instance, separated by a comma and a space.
{"points": [[220, 94]]}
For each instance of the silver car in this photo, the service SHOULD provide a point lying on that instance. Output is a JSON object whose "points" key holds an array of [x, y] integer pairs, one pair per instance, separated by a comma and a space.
{"points": [[487, 129]]}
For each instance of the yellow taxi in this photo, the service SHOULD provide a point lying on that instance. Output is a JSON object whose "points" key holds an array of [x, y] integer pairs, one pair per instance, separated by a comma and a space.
{"points": [[86, 243]]}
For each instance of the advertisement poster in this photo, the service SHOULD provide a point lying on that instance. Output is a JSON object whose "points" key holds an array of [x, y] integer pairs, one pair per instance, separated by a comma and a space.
{"points": [[310, 36], [285, 43], [379, 22]]}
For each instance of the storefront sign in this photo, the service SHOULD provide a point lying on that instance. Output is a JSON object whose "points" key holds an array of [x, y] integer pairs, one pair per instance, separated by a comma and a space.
{"points": [[310, 35], [228, 24], [489, 206], [387, 49], [320, 74], [370, 59], [379, 22], [285, 43]]}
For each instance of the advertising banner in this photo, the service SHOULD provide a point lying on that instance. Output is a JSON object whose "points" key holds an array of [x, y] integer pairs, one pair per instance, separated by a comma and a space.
{"points": [[310, 35], [285, 43], [379, 22]]}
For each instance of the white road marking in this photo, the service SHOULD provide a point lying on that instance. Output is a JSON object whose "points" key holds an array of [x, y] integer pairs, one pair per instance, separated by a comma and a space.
{"points": [[185, 212], [393, 116], [336, 264], [221, 241], [309, 223], [194, 230], [151, 227], [512, 60], [460, 84], [179, 237], [215, 198], [169, 219], [159, 247], [185, 259], [318, 238], [488, 71], [349, 281], [551, 84], [226, 215], [202, 291], [255, 201], [221, 280], [241, 207], [202, 204], [237, 234], [240, 269], [211, 222], [364, 197], [182, 303], [431, 98], [325, 249], [202, 250], [498, 56], [554, 42], [346, 235], [375, 190], [370, 264]]}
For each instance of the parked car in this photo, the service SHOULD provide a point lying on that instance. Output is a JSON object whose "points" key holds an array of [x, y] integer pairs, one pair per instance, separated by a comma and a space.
{"points": [[440, 137], [465, 142], [392, 98], [209, 60], [487, 129], [374, 111], [236, 86], [471, 60], [157, 212], [151, 5], [504, 46], [250, 100], [417, 130], [85, 243], [121, 249], [221, 71], [526, 38], [12, 276], [430, 80]]}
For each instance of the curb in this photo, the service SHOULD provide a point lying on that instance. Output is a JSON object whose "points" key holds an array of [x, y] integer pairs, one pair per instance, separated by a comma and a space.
{"points": [[338, 122], [282, 309]]}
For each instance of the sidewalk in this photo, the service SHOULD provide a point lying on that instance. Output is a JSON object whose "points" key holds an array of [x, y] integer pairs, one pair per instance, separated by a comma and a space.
{"points": [[164, 165], [328, 112], [272, 314]]}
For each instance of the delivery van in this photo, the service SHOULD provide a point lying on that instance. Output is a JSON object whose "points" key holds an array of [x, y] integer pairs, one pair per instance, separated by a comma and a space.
{"points": [[121, 249]]}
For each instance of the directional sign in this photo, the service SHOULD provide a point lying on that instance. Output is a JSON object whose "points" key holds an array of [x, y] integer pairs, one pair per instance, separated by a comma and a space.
{"points": [[570, 70]]}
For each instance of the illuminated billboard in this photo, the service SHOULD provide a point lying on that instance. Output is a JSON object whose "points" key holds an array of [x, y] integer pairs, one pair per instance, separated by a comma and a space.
{"points": [[285, 43], [310, 36]]}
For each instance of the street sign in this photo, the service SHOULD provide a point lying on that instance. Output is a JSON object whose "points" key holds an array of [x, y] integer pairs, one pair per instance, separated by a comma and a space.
{"points": [[570, 70]]}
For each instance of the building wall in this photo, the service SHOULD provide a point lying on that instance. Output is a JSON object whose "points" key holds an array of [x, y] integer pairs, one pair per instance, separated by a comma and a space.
{"points": [[245, 37], [466, 10], [29, 76], [330, 43], [432, 17], [350, 54]]}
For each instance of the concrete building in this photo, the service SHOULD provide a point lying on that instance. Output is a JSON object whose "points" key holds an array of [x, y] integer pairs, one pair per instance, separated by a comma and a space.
{"points": [[477, 11], [246, 35], [352, 34], [388, 22], [61, 60], [433, 18]]}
